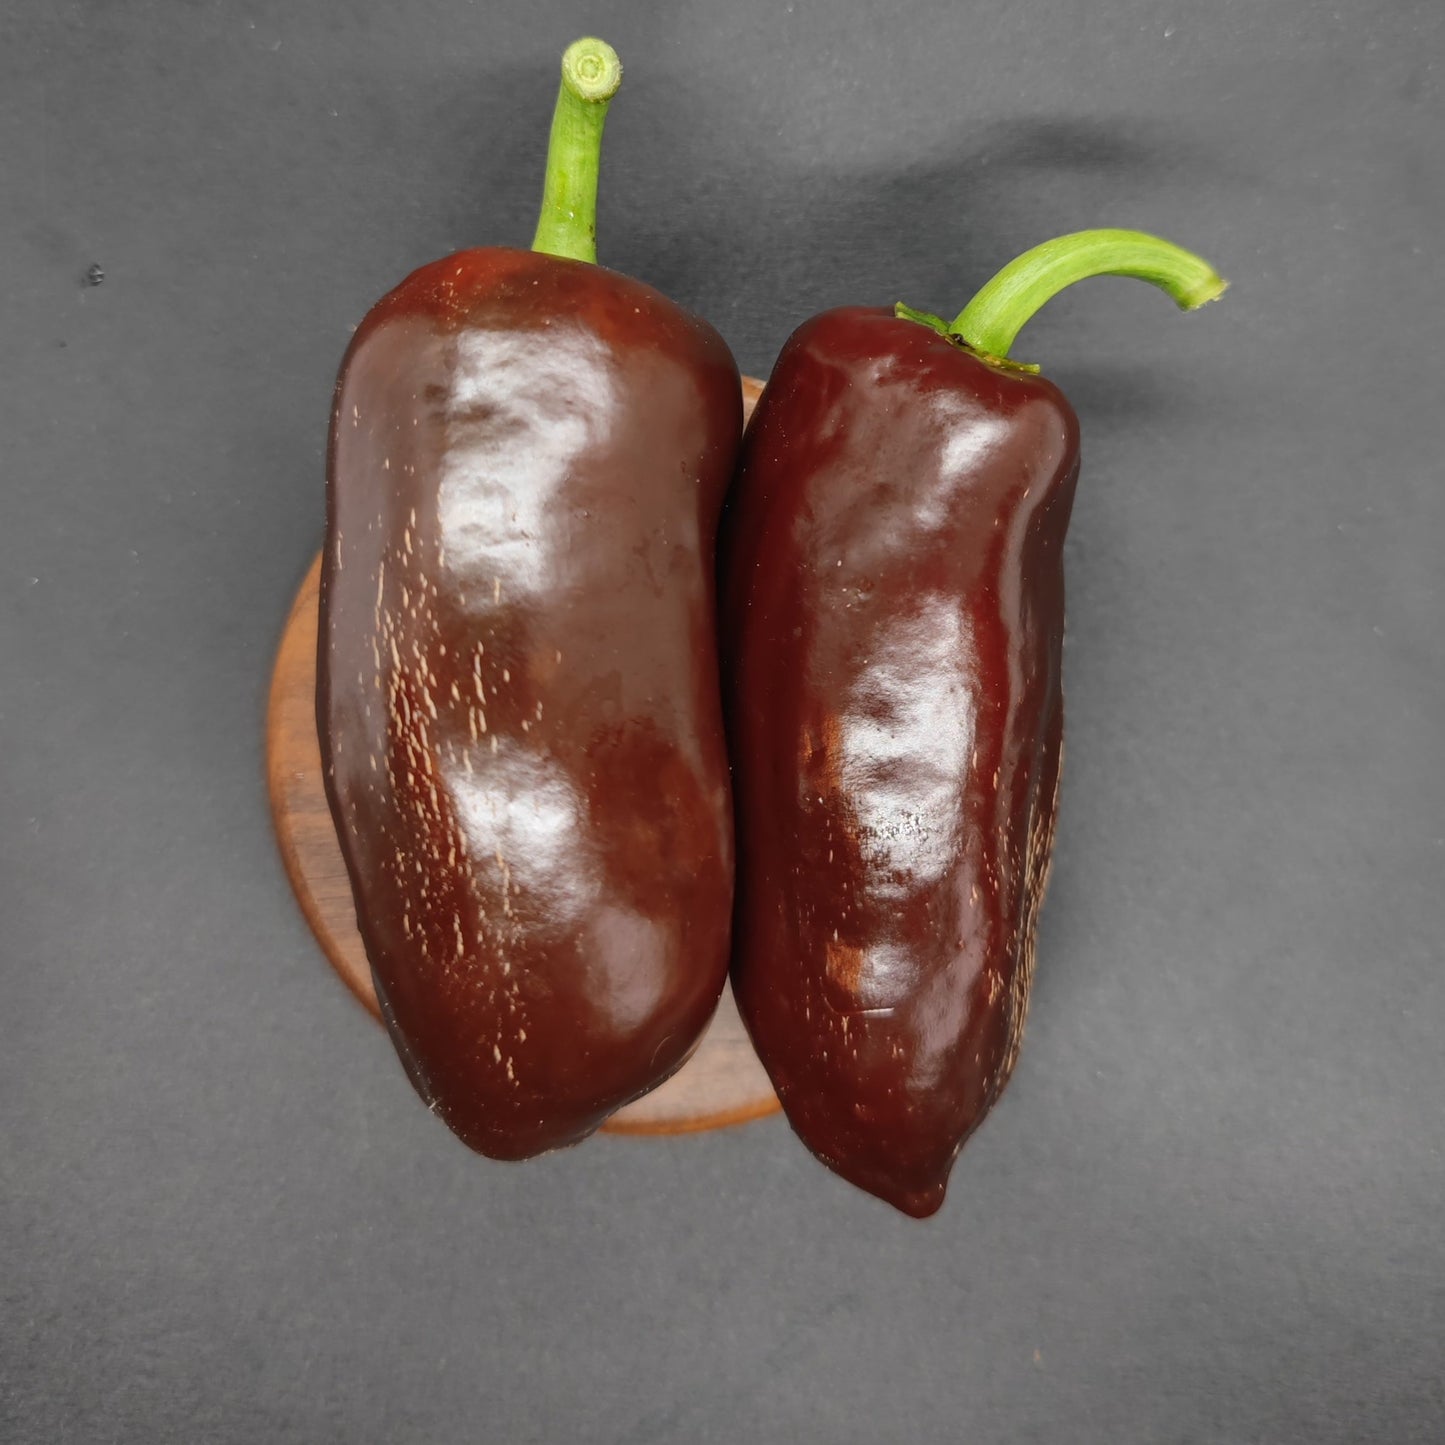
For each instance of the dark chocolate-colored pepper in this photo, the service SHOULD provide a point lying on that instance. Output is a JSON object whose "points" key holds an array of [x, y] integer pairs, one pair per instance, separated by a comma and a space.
{"points": [[518, 695], [893, 617]]}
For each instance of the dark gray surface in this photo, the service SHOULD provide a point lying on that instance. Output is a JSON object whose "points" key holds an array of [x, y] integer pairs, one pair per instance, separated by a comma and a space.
{"points": [[1209, 1207]]}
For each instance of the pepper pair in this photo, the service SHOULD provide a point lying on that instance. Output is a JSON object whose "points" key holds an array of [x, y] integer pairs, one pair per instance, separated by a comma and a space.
{"points": [[530, 685]]}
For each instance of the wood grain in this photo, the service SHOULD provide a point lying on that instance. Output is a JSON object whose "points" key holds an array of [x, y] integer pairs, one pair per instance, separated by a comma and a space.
{"points": [[723, 1083]]}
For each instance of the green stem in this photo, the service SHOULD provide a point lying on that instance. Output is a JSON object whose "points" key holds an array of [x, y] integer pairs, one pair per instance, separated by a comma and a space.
{"points": [[591, 74], [992, 320]]}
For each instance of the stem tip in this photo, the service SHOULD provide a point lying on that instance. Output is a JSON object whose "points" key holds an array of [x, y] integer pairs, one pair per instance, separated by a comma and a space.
{"points": [[591, 69]]}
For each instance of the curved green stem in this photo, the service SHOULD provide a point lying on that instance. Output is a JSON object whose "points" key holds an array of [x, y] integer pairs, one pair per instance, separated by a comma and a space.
{"points": [[591, 74], [991, 321]]}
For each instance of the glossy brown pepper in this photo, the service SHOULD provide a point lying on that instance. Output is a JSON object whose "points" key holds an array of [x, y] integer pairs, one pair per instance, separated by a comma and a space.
{"points": [[893, 616], [518, 693]]}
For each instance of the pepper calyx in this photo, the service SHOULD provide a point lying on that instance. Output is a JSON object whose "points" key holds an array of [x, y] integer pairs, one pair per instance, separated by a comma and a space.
{"points": [[958, 339], [923, 318]]}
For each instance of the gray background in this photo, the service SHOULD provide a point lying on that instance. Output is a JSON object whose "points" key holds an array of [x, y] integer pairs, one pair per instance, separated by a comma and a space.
{"points": [[1209, 1207]]}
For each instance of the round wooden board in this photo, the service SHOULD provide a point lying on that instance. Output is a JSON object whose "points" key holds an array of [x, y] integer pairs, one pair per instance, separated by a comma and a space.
{"points": [[723, 1083]]}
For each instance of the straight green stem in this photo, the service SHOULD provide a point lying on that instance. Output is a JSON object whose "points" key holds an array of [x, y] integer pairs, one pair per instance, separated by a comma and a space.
{"points": [[567, 226]]}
